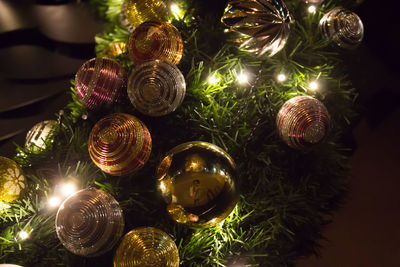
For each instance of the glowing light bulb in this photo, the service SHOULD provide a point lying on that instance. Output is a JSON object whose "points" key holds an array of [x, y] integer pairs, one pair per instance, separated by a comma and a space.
{"points": [[4, 206], [243, 78], [313, 85], [23, 235], [176, 11], [175, 8], [281, 77], [213, 80], [68, 189], [311, 9], [54, 201]]}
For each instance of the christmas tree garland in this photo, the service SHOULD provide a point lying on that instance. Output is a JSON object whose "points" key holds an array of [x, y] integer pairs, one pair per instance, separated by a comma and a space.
{"points": [[286, 194]]}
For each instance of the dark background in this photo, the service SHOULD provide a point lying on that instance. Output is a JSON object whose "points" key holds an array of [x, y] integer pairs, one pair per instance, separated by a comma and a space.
{"points": [[43, 43]]}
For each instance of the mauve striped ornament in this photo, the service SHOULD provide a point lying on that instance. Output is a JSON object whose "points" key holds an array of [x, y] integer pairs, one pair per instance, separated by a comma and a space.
{"points": [[343, 27], [100, 82], [155, 40], [119, 144], [89, 222], [302, 122], [156, 88]]}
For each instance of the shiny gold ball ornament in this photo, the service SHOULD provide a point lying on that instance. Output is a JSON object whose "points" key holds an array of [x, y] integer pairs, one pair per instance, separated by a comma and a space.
{"points": [[39, 133], [264, 25], [100, 82], [135, 12], [342, 27], [147, 247], [197, 181], [156, 88], [155, 40], [89, 222], [119, 144], [12, 180], [302, 122]]}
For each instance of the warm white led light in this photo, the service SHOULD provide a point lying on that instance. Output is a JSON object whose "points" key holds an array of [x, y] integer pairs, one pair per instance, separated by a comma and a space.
{"points": [[54, 201], [313, 85], [68, 189], [281, 77], [312, 9], [213, 80], [175, 9], [23, 235], [242, 78]]}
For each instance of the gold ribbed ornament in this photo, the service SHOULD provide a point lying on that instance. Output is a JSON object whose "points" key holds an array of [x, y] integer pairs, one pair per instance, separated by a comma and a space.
{"points": [[135, 12], [197, 181], [146, 247], [155, 40], [119, 144], [156, 87], [264, 25], [302, 122], [89, 222], [342, 27]]}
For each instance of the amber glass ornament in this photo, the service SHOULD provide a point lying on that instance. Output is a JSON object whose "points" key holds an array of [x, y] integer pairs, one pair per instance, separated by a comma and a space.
{"points": [[155, 40], [147, 247], [100, 82], [119, 144], [197, 181], [12, 180], [156, 88], [135, 12], [115, 49], [302, 122], [39, 133], [89, 222], [343, 27], [264, 25]]}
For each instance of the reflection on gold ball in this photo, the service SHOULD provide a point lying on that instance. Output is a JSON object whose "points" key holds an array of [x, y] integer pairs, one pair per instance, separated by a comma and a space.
{"points": [[197, 181], [147, 247], [12, 180]]}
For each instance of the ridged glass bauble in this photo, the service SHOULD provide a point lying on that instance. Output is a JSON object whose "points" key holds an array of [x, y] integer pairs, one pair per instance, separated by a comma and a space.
{"points": [[100, 82], [156, 88], [342, 27], [155, 40], [135, 12], [12, 180], [37, 136], [89, 222], [302, 122], [197, 181], [119, 144], [146, 247], [264, 25]]}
